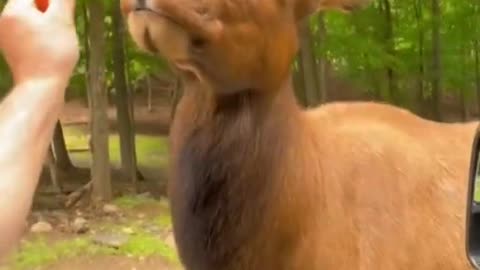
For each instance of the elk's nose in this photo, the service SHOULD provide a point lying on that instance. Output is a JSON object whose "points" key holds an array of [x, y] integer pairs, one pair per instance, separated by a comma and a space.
{"points": [[132, 5]]}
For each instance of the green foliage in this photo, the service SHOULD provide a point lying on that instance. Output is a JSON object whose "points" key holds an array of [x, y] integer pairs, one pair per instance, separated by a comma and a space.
{"points": [[139, 63], [40, 253], [143, 244], [357, 47], [164, 221]]}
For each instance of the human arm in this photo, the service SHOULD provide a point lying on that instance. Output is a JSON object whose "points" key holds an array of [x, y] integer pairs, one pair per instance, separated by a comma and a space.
{"points": [[41, 66]]}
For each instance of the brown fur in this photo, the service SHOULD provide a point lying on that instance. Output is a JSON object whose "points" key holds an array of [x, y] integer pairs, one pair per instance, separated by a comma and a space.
{"points": [[260, 184]]}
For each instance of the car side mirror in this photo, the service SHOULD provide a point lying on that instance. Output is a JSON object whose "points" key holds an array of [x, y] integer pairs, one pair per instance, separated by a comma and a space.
{"points": [[473, 205]]}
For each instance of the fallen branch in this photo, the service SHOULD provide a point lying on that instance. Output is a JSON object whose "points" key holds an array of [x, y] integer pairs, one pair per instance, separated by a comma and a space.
{"points": [[74, 197]]}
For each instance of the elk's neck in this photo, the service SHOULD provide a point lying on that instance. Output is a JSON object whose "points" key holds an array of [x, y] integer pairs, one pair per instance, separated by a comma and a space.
{"points": [[226, 153]]}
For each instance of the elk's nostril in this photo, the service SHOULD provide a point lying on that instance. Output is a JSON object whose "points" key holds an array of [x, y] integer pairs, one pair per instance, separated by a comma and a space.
{"points": [[140, 4]]}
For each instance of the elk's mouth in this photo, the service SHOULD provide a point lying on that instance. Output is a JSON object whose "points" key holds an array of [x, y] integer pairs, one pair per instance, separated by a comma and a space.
{"points": [[148, 41], [174, 36]]}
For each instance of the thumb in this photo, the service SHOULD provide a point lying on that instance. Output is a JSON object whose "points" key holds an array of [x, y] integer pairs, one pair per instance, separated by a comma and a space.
{"points": [[64, 9]]}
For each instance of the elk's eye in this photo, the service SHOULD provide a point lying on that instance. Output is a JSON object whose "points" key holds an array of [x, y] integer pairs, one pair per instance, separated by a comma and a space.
{"points": [[198, 43]]}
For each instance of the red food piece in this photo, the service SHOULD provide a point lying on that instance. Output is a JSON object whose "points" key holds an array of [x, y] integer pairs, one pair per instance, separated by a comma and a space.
{"points": [[42, 5]]}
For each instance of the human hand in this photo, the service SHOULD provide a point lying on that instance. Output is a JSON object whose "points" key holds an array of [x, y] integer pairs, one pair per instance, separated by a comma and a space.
{"points": [[39, 45]]}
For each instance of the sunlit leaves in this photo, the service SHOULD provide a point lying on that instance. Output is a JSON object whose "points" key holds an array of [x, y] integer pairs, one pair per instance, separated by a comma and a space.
{"points": [[356, 44], [139, 64]]}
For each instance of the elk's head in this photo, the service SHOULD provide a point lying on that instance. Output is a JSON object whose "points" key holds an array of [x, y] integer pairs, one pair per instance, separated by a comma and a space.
{"points": [[230, 45]]}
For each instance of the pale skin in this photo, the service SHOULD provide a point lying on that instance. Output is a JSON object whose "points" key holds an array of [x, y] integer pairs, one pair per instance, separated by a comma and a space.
{"points": [[41, 50]]}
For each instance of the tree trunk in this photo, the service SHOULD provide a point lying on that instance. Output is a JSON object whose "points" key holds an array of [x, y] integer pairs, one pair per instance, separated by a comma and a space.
{"points": [[476, 52], [322, 60], [87, 50], [465, 112], [125, 129], [436, 60], [421, 67], [298, 82], [177, 95], [53, 170], [86, 26], [62, 159], [371, 71], [100, 169], [464, 103], [149, 94], [131, 97], [308, 61], [390, 49]]}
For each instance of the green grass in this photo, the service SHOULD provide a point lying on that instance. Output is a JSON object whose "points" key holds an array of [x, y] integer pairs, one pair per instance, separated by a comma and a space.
{"points": [[37, 252], [129, 201], [164, 221], [141, 244], [151, 150]]}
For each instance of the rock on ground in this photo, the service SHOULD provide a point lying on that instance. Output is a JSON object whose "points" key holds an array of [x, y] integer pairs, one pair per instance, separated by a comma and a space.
{"points": [[41, 227], [110, 209], [80, 225], [114, 240]]}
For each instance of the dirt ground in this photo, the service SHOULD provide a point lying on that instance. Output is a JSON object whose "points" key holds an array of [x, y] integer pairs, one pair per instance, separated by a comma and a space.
{"points": [[151, 121], [150, 244]]}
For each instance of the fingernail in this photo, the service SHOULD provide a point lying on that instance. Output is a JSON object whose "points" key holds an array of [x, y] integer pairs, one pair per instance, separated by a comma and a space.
{"points": [[42, 5]]}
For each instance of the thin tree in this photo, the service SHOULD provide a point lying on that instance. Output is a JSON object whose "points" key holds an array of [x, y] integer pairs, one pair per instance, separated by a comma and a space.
{"points": [[125, 125], [418, 7], [308, 62], [390, 49], [322, 60], [436, 60], [298, 81], [476, 53], [100, 171], [62, 159], [53, 170]]}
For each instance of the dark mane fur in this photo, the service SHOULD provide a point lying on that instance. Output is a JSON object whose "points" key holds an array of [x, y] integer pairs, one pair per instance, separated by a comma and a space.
{"points": [[223, 188]]}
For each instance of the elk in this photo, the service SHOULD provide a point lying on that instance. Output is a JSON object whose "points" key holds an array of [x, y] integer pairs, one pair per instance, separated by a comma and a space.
{"points": [[260, 183]]}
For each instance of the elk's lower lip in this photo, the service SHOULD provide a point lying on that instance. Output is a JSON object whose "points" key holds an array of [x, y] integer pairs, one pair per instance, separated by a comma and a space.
{"points": [[156, 13]]}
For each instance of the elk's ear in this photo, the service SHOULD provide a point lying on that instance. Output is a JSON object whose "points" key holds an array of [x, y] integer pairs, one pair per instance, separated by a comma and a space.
{"points": [[304, 8]]}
